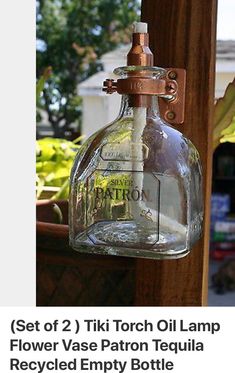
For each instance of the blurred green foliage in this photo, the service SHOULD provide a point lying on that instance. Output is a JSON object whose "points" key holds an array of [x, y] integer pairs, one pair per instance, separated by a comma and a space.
{"points": [[54, 160], [54, 157], [224, 117], [228, 134], [71, 36]]}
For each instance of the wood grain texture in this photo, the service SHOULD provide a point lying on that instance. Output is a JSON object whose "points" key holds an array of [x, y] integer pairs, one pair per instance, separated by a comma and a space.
{"points": [[183, 35]]}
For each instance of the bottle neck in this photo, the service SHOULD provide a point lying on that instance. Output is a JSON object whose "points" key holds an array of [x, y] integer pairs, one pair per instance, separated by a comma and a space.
{"points": [[127, 109]]}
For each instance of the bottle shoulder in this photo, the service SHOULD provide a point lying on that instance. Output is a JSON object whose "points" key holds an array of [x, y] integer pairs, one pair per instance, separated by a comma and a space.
{"points": [[162, 148]]}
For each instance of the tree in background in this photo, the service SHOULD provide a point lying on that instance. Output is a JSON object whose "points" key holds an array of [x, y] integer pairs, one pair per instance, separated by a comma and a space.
{"points": [[71, 36]]}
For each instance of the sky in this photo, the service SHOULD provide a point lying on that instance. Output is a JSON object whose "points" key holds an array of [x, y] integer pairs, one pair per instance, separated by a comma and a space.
{"points": [[226, 20]]}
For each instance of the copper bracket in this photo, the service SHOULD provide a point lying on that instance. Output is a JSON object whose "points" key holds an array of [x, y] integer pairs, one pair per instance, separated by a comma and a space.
{"points": [[172, 110], [171, 90]]}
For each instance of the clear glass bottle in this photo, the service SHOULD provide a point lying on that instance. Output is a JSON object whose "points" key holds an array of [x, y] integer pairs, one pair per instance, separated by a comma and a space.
{"points": [[136, 187]]}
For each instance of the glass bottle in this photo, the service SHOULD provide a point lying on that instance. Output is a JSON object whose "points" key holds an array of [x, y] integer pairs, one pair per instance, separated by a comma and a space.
{"points": [[136, 184]]}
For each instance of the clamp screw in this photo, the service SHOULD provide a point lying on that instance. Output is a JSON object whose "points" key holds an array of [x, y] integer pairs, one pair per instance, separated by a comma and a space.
{"points": [[109, 86], [171, 88]]}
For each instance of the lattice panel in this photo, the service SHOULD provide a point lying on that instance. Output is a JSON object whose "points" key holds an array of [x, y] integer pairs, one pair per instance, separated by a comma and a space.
{"points": [[59, 285]]}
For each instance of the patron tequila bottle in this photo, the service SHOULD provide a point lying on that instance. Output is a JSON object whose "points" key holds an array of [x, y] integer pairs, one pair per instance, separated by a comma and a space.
{"points": [[136, 187]]}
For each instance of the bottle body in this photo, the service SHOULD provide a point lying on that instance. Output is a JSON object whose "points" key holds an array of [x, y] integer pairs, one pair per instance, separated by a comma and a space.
{"points": [[136, 189]]}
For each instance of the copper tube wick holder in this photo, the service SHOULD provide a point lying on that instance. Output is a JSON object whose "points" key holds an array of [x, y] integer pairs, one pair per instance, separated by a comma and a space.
{"points": [[141, 84], [140, 54]]}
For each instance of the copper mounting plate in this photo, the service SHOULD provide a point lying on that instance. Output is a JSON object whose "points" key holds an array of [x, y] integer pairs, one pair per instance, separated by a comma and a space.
{"points": [[173, 110]]}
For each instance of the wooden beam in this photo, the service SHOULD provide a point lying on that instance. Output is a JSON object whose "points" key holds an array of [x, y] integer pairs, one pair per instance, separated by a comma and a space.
{"points": [[183, 34]]}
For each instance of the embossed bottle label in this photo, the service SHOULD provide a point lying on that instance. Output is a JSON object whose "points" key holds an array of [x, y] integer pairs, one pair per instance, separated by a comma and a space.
{"points": [[137, 152], [130, 196]]}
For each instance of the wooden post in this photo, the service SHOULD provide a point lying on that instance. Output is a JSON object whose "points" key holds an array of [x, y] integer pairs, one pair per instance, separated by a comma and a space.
{"points": [[183, 34]]}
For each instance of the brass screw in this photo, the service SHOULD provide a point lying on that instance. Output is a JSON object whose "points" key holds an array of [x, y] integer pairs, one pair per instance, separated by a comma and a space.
{"points": [[170, 115], [172, 74]]}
